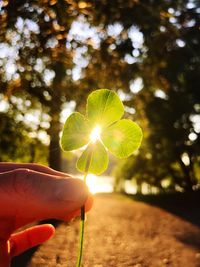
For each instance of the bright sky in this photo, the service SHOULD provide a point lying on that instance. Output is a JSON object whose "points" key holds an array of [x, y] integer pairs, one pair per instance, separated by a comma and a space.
{"points": [[98, 184]]}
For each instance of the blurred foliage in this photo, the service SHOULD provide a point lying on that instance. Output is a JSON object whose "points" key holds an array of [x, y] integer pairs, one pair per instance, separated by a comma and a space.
{"points": [[69, 160], [59, 50], [16, 145], [34, 36], [167, 60]]}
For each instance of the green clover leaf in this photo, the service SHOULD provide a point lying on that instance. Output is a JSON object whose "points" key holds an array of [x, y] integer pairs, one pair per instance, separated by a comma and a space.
{"points": [[104, 107], [101, 130], [96, 156], [75, 132]]}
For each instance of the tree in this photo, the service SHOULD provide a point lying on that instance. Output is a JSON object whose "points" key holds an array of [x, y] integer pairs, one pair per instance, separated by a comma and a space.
{"points": [[167, 59], [36, 32], [153, 41]]}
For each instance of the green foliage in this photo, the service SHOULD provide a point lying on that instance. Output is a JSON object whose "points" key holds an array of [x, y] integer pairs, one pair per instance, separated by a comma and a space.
{"points": [[120, 137], [16, 145], [167, 61], [33, 37], [161, 47]]}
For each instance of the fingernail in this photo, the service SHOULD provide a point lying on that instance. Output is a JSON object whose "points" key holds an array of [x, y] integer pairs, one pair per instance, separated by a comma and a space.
{"points": [[71, 189]]}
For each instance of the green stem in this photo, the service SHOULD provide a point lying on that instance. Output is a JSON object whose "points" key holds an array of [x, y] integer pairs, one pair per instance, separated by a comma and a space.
{"points": [[82, 227]]}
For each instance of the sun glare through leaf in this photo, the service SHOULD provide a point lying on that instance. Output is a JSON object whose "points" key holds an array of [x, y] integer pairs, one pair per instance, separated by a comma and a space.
{"points": [[95, 134]]}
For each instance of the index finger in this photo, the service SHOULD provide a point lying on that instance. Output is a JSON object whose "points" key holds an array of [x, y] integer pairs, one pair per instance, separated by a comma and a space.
{"points": [[9, 166]]}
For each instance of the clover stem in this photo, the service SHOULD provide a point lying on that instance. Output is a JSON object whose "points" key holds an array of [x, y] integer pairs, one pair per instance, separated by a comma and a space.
{"points": [[82, 227]]}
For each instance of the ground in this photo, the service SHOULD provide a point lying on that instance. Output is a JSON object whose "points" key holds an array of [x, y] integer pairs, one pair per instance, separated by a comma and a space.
{"points": [[121, 232]]}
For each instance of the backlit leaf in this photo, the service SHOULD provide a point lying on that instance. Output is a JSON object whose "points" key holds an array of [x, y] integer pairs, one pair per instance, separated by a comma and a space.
{"points": [[94, 159], [104, 107], [122, 138], [75, 132]]}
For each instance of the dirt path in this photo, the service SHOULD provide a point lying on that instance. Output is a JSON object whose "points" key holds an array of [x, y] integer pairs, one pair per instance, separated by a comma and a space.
{"points": [[122, 233]]}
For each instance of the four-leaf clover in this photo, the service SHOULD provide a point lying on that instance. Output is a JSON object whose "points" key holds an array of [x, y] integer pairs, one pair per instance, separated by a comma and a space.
{"points": [[100, 131]]}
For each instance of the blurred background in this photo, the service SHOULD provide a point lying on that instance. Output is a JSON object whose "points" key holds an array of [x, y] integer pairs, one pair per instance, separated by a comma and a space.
{"points": [[54, 53]]}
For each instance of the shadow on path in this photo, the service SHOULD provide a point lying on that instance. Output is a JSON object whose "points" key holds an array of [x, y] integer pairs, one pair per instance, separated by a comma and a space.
{"points": [[24, 258], [184, 205]]}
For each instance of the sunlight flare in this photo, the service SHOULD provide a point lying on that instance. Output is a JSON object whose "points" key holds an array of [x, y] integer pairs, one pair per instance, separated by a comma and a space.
{"points": [[95, 134], [92, 183], [102, 184]]}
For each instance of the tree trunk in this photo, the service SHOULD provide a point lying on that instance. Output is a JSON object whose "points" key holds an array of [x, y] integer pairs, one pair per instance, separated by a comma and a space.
{"points": [[187, 176], [192, 169], [138, 187], [54, 132], [54, 147], [176, 179], [119, 185], [54, 112]]}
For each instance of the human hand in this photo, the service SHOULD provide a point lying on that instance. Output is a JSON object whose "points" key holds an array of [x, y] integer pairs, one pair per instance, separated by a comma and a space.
{"points": [[31, 192]]}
